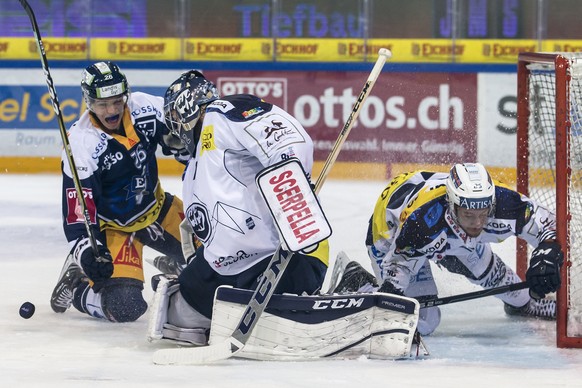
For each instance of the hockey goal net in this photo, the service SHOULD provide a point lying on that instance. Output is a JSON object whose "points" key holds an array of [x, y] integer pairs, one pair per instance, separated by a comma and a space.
{"points": [[549, 168]]}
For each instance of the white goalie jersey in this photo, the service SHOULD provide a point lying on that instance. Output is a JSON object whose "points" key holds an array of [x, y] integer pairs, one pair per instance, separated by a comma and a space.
{"points": [[240, 136]]}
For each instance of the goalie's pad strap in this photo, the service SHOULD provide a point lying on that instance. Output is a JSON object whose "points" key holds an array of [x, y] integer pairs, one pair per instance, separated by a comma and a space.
{"points": [[305, 327], [188, 336]]}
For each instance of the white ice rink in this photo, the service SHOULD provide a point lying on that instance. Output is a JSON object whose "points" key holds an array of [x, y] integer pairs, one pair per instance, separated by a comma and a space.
{"points": [[476, 344]]}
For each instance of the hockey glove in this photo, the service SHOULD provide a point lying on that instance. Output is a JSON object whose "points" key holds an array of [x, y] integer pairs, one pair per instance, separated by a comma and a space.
{"points": [[174, 146], [97, 268], [543, 274], [390, 288]]}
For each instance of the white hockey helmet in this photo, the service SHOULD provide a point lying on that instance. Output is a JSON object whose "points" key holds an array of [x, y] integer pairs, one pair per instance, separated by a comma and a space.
{"points": [[470, 186]]}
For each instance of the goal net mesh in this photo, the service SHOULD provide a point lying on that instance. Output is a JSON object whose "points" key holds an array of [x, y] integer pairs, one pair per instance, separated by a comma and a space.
{"points": [[554, 137]]}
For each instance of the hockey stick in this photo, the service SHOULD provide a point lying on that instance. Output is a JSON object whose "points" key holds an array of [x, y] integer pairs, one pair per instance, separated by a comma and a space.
{"points": [[342, 261], [277, 265], [62, 129], [473, 295]]}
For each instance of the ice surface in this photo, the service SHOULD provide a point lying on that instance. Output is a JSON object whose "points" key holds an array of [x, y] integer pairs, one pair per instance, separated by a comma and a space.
{"points": [[476, 344]]}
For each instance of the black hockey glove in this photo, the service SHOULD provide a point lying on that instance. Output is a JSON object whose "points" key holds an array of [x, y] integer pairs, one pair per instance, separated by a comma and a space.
{"points": [[390, 288], [97, 268], [172, 145], [543, 274]]}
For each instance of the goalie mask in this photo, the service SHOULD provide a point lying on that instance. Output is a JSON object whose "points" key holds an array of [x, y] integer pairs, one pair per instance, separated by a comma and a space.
{"points": [[104, 81], [471, 196], [183, 103]]}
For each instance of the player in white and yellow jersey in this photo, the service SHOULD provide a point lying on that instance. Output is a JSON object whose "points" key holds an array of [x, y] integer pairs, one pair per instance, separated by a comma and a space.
{"points": [[452, 219]]}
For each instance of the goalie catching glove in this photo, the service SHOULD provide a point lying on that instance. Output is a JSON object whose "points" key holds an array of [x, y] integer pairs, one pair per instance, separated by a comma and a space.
{"points": [[97, 268], [543, 274], [390, 288]]}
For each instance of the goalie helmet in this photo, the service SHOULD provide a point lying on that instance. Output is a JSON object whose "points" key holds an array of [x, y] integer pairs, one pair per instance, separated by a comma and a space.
{"points": [[470, 186], [182, 106], [103, 80]]}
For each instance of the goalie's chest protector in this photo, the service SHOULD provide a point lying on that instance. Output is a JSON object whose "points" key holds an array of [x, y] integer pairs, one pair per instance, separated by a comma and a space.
{"points": [[222, 201]]}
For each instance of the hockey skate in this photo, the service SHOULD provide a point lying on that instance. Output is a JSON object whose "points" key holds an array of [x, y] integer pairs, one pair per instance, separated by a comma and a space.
{"points": [[355, 279], [542, 308], [71, 276]]}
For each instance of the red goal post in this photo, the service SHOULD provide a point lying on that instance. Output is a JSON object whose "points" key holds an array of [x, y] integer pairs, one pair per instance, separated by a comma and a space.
{"points": [[549, 168]]}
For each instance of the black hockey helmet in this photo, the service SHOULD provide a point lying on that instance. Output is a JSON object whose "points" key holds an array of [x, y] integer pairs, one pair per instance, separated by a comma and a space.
{"points": [[103, 80], [182, 103]]}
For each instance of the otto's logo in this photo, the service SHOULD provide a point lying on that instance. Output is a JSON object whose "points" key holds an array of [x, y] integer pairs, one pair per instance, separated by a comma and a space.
{"points": [[273, 90], [74, 209]]}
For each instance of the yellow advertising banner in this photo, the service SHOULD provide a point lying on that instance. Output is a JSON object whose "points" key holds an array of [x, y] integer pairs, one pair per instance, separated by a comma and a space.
{"points": [[55, 48], [458, 51], [568, 46], [228, 49], [285, 49], [327, 50], [162, 49]]}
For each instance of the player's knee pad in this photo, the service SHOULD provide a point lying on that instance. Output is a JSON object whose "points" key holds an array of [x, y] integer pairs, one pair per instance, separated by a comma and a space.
{"points": [[122, 300], [423, 283]]}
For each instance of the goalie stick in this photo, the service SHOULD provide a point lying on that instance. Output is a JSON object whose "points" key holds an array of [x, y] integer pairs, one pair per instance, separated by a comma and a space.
{"points": [[342, 261], [277, 265], [62, 129]]}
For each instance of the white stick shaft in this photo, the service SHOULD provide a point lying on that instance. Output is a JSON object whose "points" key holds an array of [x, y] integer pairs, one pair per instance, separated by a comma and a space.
{"points": [[383, 55]]}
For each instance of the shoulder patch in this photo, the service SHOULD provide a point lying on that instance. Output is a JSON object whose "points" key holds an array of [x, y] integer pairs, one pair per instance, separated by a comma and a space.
{"points": [[240, 107]]}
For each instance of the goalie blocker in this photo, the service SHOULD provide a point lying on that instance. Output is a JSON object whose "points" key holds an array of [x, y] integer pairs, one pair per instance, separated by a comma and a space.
{"points": [[378, 326], [295, 209]]}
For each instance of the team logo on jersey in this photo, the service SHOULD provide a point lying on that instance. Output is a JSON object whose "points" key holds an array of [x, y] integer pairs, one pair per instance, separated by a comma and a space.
{"points": [[147, 127], [197, 215]]}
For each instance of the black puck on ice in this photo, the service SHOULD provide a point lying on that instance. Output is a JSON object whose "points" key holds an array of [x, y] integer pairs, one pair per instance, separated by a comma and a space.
{"points": [[26, 310]]}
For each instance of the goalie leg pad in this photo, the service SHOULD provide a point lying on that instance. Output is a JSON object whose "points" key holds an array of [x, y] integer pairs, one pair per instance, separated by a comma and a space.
{"points": [[188, 326], [330, 326]]}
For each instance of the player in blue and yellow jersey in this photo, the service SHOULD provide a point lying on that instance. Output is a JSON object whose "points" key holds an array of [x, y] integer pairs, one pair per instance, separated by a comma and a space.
{"points": [[113, 145]]}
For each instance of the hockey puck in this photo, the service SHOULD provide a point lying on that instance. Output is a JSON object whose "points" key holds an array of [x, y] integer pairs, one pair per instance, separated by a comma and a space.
{"points": [[26, 310]]}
